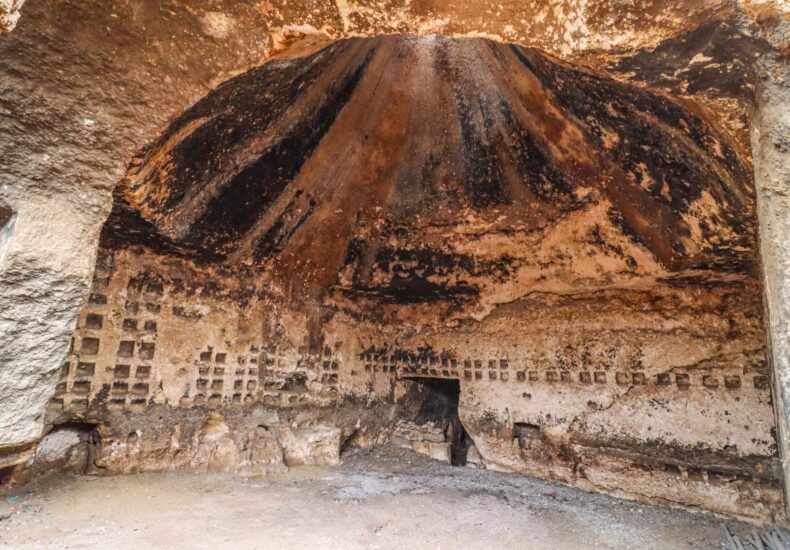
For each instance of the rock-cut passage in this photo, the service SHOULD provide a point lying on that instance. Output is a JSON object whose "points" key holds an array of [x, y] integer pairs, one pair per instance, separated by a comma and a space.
{"points": [[566, 253]]}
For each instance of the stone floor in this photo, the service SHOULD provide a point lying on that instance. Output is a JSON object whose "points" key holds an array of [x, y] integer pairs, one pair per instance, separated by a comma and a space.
{"points": [[385, 498]]}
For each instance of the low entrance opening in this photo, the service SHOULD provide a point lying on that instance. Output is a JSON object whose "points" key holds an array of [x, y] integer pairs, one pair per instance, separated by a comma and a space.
{"points": [[71, 446], [440, 407]]}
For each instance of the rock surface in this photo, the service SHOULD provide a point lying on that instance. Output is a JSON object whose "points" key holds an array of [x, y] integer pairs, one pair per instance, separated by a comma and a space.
{"points": [[344, 239], [83, 86], [577, 253], [771, 136], [9, 14], [388, 498]]}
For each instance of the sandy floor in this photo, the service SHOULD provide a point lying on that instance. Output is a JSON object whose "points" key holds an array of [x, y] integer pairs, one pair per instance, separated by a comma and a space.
{"points": [[377, 499]]}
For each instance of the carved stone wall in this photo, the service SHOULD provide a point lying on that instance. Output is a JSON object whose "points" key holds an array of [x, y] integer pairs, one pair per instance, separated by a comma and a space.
{"points": [[85, 85], [577, 247], [659, 393]]}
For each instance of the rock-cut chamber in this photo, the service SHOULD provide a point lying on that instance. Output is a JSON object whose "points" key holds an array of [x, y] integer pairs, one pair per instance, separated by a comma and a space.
{"points": [[470, 248]]}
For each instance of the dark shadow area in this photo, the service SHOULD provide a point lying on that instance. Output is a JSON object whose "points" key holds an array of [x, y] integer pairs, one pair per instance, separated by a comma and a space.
{"points": [[5, 476], [526, 433], [69, 447], [440, 406]]}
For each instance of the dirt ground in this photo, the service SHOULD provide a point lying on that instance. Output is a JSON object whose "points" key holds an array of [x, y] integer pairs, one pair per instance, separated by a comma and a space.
{"points": [[383, 498]]}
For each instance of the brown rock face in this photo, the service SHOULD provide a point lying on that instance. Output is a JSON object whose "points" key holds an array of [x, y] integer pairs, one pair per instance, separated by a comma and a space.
{"points": [[304, 167], [570, 254]]}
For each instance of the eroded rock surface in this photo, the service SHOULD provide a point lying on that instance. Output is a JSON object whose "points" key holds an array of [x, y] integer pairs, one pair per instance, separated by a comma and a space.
{"points": [[85, 85], [575, 249], [82, 87], [9, 14]]}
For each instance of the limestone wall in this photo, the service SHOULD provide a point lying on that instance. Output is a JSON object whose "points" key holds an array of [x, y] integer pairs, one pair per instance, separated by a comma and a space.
{"points": [[86, 85], [609, 336], [659, 394], [771, 135]]}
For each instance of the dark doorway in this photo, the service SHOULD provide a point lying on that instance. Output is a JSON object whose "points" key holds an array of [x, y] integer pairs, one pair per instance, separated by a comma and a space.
{"points": [[440, 399]]}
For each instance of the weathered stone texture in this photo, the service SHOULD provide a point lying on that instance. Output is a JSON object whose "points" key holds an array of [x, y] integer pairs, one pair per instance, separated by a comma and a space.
{"points": [[81, 87], [573, 245], [583, 265], [771, 135], [84, 85], [9, 14]]}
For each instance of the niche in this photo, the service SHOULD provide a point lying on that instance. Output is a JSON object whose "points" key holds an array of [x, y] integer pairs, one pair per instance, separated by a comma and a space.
{"points": [[7, 223], [69, 447], [526, 433], [6, 475], [438, 409]]}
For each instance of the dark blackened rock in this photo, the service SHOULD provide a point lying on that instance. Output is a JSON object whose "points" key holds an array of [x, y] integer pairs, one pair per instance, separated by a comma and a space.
{"points": [[339, 162]]}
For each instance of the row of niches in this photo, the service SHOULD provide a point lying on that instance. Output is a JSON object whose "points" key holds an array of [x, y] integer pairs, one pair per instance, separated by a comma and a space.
{"points": [[132, 386], [135, 381], [217, 399], [304, 377], [428, 357], [564, 356], [141, 305], [283, 384], [77, 387], [95, 321], [682, 380], [114, 356], [286, 379], [281, 370], [224, 378], [130, 339], [208, 357], [147, 289], [84, 371], [125, 349], [77, 404], [330, 367], [227, 375], [275, 363], [100, 302], [140, 297]]}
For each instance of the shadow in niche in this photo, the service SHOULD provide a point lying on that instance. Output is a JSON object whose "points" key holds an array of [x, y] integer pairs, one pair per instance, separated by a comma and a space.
{"points": [[6, 474], [440, 406], [72, 447]]}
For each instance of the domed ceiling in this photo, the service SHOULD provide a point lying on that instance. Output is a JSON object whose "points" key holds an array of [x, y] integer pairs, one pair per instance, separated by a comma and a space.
{"points": [[410, 168]]}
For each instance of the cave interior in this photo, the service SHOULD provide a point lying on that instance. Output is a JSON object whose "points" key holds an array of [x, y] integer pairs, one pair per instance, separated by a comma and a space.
{"points": [[482, 252]]}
